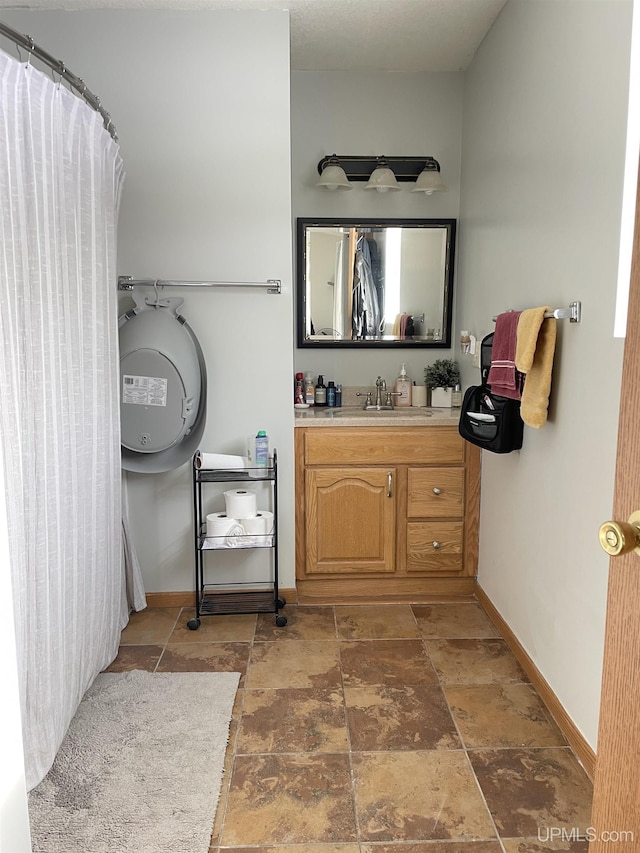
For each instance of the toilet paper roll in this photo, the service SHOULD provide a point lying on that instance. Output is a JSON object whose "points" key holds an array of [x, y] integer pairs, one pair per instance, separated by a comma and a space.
{"points": [[257, 525], [241, 503], [221, 524], [210, 461], [419, 395], [268, 517]]}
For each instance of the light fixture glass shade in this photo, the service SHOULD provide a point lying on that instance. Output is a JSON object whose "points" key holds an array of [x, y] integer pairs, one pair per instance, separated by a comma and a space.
{"points": [[429, 181], [333, 177], [382, 179]]}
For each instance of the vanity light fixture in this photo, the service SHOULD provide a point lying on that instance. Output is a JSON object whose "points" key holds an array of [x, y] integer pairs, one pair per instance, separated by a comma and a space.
{"points": [[381, 173], [332, 175], [382, 178], [429, 180]]}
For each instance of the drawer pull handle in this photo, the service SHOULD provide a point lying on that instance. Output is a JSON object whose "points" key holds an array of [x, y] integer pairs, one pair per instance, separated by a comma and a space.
{"points": [[436, 546], [437, 491], [389, 485]]}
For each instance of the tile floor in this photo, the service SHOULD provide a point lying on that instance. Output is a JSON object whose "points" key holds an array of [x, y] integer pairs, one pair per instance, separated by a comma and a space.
{"points": [[376, 729]]}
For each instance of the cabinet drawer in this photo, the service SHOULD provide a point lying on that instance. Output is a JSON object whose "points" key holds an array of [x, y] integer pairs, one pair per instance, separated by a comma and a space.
{"points": [[434, 546], [435, 492], [390, 446]]}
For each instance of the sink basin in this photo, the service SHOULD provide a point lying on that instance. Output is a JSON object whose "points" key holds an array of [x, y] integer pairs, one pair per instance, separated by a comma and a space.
{"points": [[377, 413]]}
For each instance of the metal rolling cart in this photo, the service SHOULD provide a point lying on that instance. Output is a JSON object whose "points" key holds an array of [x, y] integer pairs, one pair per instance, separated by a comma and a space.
{"points": [[214, 599]]}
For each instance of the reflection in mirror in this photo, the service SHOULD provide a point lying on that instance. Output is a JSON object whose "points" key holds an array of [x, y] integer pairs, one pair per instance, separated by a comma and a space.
{"points": [[375, 282]]}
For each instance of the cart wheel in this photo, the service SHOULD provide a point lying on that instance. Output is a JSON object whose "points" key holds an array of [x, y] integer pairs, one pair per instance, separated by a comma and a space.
{"points": [[281, 621], [193, 624], [281, 603]]}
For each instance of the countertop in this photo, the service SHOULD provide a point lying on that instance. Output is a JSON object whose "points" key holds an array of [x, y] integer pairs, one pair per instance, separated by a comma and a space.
{"points": [[356, 416]]}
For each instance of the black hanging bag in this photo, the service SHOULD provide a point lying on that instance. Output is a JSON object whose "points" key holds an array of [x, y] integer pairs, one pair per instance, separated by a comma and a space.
{"points": [[486, 419]]}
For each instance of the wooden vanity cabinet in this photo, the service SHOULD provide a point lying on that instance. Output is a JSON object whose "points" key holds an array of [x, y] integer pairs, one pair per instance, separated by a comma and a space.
{"points": [[385, 513]]}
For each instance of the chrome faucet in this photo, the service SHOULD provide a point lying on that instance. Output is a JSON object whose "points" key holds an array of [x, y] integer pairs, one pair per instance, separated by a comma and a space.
{"points": [[381, 389]]}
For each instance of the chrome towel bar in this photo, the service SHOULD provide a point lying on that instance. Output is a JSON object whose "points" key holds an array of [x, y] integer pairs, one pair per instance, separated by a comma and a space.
{"points": [[573, 313], [126, 282]]}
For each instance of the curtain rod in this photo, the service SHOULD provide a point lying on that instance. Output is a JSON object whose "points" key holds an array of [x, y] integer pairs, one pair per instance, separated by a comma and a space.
{"points": [[60, 68]]}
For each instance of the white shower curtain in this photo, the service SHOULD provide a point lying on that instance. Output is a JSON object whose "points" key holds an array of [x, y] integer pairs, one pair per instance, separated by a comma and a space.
{"points": [[60, 178]]}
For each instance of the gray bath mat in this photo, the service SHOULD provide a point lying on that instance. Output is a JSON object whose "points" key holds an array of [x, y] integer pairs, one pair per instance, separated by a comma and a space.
{"points": [[140, 768]]}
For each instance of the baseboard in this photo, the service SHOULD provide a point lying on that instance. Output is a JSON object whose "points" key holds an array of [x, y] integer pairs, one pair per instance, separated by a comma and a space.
{"points": [[576, 739], [187, 599], [381, 590], [307, 600], [170, 599]]}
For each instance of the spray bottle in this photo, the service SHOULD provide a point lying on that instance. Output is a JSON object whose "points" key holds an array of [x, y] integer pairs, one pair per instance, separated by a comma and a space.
{"points": [[262, 450]]}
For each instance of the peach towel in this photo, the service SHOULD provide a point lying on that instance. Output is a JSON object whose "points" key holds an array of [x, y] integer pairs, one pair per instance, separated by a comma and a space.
{"points": [[535, 348]]}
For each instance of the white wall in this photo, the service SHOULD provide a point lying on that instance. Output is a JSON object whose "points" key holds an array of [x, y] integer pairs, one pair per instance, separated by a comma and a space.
{"points": [[422, 259], [322, 253], [14, 816], [373, 114], [543, 155], [201, 104]]}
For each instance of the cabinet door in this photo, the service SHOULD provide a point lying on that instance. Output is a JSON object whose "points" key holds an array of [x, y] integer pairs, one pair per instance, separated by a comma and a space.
{"points": [[350, 520]]}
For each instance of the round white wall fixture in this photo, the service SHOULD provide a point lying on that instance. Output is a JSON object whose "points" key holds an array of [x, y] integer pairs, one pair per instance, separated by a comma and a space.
{"points": [[163, 387]]}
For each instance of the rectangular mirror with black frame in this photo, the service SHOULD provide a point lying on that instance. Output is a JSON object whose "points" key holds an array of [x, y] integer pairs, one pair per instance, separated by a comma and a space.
{"points": [[375, 282]]}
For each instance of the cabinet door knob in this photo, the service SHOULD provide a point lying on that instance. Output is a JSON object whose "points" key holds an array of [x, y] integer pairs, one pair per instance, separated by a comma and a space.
{"points": [[437, 491], [390, 484], [436, 546]]}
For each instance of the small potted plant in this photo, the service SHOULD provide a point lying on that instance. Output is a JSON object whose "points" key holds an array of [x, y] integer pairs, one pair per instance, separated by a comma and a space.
{"points": [[441, 377]]}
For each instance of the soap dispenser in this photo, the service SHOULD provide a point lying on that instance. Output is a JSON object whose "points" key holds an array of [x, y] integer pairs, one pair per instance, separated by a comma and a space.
{"points": [[403, 389]]}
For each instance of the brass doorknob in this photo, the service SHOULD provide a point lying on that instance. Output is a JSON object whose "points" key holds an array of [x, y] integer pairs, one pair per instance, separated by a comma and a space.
{"points": [[621, 537]]}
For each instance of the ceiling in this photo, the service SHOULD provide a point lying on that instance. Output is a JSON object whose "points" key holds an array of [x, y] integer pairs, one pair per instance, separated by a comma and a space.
{"points": [[350, 35]]}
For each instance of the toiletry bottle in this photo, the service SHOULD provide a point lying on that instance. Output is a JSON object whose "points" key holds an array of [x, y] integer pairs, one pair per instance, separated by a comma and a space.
{"points": [[338, 395], [331, 394], [262, 450], [403, 389], [456, 398], [321, 392], [309, 390], [299, 393]]}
